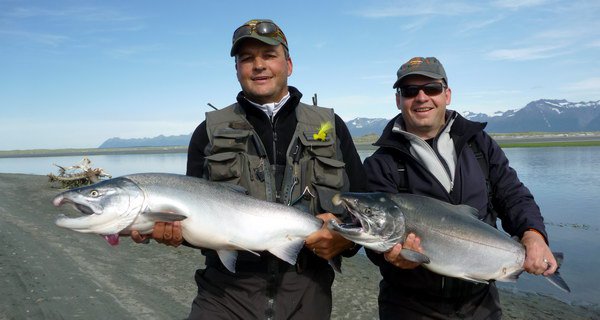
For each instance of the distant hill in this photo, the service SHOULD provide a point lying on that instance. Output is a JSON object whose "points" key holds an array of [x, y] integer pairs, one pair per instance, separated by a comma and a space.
{"points": [[362, 126], [160, 141], [537, 116]]}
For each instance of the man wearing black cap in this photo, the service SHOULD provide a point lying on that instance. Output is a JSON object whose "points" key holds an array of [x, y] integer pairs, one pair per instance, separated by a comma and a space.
{"points": [[282, 150], [432, 151]]}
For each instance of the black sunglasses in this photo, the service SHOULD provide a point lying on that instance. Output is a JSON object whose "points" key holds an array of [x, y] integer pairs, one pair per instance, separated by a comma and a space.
{"points": [[430, 89]]}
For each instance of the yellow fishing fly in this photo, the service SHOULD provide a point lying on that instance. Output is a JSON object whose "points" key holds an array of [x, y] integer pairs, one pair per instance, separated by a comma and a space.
{"points": [[322, 132]]}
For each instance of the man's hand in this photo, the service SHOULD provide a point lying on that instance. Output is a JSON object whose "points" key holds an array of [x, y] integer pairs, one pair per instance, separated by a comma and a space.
{"points": [[393, 256], [163, 232], [326, 243], [538, 257]]}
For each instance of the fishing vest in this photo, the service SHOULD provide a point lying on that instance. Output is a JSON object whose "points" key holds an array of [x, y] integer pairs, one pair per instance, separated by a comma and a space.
{"points": [[314, 169]]}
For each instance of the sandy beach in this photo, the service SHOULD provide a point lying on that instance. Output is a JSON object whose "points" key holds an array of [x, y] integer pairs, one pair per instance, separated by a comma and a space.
{"points": [[51, 273]]}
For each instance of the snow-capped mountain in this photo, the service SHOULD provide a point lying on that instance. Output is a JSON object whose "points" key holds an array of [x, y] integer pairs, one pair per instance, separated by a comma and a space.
{"points": [[544, 116]]}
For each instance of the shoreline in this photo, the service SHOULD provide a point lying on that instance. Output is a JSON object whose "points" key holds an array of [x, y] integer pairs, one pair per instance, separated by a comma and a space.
{"points": [[49, 272], [505, 140]]}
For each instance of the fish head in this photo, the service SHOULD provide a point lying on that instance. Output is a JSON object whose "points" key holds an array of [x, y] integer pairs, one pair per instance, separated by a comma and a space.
{"points": [[378, 222], [108, 207]]}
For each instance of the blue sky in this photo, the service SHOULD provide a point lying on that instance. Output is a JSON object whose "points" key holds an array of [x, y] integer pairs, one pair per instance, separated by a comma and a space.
{"points": [[75, 73]]}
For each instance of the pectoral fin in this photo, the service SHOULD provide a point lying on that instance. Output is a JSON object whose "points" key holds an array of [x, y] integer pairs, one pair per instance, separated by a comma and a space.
{"points": [[414, 256], [164, 216], [228, 258], [555, 278], [336, 264], [475, 280], [237, 244], [558, 281], [288, 252]]}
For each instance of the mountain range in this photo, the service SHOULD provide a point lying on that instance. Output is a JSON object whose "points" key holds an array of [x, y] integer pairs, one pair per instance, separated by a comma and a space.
{"points": [[537, 116]]}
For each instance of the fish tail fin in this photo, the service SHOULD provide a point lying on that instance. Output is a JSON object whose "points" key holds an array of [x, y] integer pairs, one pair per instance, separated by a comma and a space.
{"points": [[555, 278]]}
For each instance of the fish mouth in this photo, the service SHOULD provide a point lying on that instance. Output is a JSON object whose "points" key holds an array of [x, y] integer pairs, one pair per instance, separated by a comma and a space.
{"points": [[355, 226], [90, 220], [80, 207]]}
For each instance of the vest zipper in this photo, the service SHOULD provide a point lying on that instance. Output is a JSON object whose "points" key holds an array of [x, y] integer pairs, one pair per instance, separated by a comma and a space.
{"points": [[274, 163]]}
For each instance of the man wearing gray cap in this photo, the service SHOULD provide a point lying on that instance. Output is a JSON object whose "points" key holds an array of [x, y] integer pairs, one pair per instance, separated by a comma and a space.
{"points": [[282, 150], [432, 151]]}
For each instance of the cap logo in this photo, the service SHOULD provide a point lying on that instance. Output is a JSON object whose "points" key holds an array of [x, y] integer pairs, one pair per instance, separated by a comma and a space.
{"points": [[414, 61], [429, 67]]}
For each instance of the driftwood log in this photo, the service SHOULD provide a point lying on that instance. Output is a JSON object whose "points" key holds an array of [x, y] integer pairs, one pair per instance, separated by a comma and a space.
{"points": [[78, 175]]}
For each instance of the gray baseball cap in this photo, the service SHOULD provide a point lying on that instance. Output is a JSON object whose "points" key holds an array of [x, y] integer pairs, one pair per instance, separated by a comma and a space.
{"points": [[429, 67]]}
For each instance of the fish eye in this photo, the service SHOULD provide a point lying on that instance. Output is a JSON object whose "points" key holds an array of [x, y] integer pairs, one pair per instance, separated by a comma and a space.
{"points": [[94, 193]]}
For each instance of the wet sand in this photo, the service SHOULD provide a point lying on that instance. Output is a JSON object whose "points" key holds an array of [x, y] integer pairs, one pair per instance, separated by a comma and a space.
{"points": [[51, 273]]}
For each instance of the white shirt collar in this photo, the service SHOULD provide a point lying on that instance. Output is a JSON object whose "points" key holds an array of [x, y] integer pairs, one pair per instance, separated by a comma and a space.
{"points": [[271, 108]]}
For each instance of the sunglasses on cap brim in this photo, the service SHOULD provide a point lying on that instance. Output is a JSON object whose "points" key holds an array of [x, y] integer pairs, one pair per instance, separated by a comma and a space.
{"points": [[263, 28]]}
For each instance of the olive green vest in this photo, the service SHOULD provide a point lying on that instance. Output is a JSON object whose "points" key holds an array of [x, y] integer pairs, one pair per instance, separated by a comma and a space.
{"points": [[314, 169]]}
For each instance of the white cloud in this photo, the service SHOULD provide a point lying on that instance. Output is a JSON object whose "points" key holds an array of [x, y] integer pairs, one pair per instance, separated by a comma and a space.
{"points": [[53, 40], [415, 25], [586, 85], [400, 8], [522, 54], [74, 13], [480, 24], [125, 52], [594, 44], [518, 4]]}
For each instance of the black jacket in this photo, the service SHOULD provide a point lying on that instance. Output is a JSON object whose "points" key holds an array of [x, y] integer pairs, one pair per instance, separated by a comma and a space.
{"points": [[511, 199]]}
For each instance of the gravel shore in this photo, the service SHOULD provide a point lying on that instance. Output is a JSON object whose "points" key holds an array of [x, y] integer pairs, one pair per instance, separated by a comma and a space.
{"points": [[52, 273]]}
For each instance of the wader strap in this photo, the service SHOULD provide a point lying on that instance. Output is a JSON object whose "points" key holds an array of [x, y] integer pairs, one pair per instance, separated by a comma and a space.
{"points": [[403, 184]]}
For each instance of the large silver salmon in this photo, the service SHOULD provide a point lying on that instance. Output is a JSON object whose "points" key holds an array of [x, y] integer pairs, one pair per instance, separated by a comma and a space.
{"points": [[213, 215], [455, 243]]}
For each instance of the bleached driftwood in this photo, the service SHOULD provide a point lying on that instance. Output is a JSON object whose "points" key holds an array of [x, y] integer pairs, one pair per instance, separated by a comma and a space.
{"points": [[78, 175]]}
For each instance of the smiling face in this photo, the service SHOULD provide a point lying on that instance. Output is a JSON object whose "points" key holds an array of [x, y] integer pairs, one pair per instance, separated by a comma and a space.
{"points": [[262, 71], [423, 115]]}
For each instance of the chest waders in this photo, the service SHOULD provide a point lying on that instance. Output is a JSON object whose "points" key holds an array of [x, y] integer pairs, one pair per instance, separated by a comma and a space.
{"points": [[313, 173]]}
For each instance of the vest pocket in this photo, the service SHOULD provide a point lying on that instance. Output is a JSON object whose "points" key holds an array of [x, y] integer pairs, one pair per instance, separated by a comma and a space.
{"points": [[226, 167], [229, 140], [317, 147], [327, 172]]}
